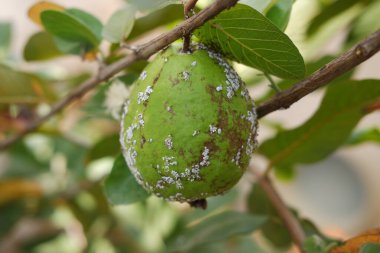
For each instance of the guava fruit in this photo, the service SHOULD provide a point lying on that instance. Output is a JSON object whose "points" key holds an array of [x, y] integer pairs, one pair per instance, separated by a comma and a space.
{"points": [[189, 127]]}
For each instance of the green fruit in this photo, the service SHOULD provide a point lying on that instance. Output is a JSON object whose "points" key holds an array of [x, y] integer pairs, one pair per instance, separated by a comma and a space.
{"points": [[189, 128]]}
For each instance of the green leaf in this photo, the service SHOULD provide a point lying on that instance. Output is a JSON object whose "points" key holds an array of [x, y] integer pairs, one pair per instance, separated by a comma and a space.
{"points": [[360, 137], [246, 36], [339, 113], [216, 228], [90, 21], [120, 24], [5, 39], [279, 13], [71, 27], [370, 248], [41, 46], [121, 187]]}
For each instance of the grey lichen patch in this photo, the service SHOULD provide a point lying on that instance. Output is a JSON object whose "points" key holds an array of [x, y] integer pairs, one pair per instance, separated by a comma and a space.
{"points": [[185, 75], [219, 88]]}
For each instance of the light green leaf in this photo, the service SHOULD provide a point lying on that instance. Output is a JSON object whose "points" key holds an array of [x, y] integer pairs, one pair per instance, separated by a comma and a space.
{"points": [[339, 113], [279, 13], [121, 187], [5, 38], [246, 36], [120, 25], [215, 228], [360, 137], [41, 46], [370, 248], [68, 27], [260, 6], [151, 5]]}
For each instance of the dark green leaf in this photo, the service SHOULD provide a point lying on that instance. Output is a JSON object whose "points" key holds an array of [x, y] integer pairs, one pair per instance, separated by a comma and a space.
{"points": [[41, 46], [370, 248], [372, 134], [246, 36], [108, 146], [90, 21], [67, 27], [121, 187], [120, 24], [279, 13], [339, 113], [5, 39], [216, 228]]}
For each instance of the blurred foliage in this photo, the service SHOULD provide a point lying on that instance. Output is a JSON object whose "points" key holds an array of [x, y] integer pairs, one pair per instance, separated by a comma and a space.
{"points": [[55, 195]]}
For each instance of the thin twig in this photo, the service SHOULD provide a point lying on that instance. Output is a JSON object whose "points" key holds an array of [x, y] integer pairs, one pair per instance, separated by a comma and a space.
{"points": [[292, 224], [142, 52], [356, 55], [188, 7]]}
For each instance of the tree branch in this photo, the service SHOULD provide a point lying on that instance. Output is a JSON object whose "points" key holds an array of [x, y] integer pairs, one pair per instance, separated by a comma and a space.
{"points": [[356, 55], [291, 223], [142, 52]]}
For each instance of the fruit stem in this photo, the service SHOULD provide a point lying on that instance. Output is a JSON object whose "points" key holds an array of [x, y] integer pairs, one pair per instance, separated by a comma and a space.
{"points": [[199, 203], [188, 8]]}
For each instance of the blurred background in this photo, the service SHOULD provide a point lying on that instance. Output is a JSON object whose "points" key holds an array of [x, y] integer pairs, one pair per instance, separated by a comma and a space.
{"points": [[50, 196]]}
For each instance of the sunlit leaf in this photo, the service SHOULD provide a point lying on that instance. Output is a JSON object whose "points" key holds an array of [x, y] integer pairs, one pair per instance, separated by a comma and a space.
{"points": [[121, 187], [35, 10], [339, 113], [260, 6], [246, 36], [41, 46], [216, 228], [120, 24]]}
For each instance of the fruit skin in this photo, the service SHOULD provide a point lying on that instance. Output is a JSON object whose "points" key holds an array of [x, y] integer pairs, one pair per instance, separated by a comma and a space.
{"points": [[189, 128]]}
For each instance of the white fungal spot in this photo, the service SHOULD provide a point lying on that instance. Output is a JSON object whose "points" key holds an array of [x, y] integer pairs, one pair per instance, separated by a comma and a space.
{"points": [[219, 88], [186, 75], [150, 140], [219, 130], [168, 180], [140, 119], [130, 131], [194, 63], [213, 129], [169, 161], [144, 96], [205, 158], [143, 75], [196, 132], [169, 142], [166, 59], [230, 92]]}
